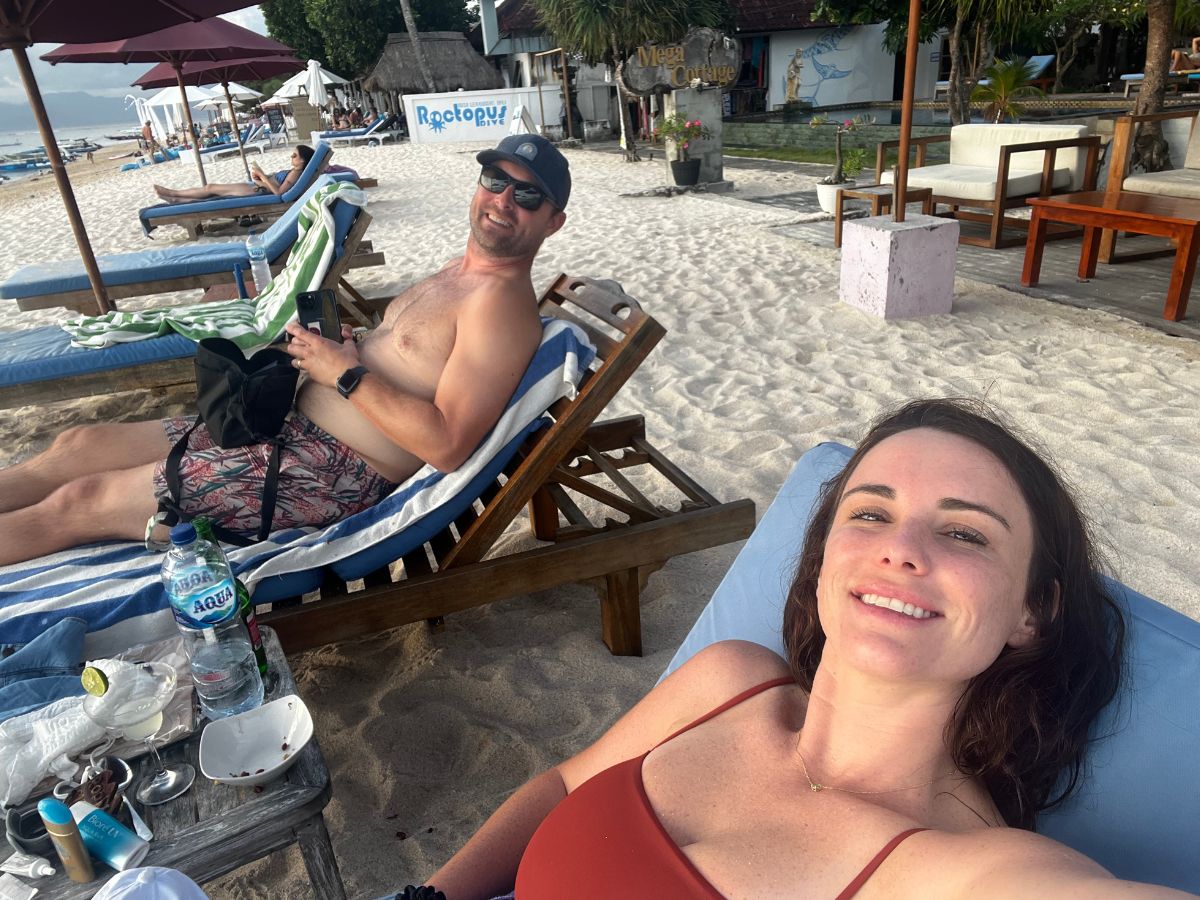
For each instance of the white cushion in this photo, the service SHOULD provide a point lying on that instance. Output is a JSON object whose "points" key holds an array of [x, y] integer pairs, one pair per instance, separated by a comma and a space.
{"points": [[1171, 183], [978, 182], [979, 145]]}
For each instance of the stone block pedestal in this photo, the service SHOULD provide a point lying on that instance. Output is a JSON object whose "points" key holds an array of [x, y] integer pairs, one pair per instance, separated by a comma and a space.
{"points": [[899, 270]]}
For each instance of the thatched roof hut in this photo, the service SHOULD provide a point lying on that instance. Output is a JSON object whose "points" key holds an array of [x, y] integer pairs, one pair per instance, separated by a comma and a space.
{"points": [[454, 62]]}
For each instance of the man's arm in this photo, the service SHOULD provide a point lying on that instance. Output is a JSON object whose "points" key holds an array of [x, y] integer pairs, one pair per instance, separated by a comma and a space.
{"points": [[492, 348]]}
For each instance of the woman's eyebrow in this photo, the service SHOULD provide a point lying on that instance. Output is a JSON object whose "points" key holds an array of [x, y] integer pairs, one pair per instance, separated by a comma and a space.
{"points": [[949, 503]]}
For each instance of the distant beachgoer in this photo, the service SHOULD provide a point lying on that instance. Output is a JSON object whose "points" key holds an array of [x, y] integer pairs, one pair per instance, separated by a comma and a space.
{"points": [[91, 156], [261, 183], [355, 117], [1182, 60]]}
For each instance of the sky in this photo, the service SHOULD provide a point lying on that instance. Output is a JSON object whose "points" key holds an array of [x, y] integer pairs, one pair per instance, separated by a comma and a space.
{"points": [[109, 80]]}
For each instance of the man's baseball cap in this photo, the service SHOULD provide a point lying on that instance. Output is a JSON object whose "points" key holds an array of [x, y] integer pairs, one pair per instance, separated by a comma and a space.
{"points": [[550, 169]]}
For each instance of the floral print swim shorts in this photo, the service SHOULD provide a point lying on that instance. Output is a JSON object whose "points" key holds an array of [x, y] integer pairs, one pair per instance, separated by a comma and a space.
{"points": [[321, 480]]}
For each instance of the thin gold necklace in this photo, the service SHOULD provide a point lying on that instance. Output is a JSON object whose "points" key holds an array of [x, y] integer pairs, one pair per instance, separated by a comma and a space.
{"points": [[817, 787]]}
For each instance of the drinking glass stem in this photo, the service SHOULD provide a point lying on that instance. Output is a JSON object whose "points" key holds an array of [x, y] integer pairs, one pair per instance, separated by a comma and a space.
{"points": [[159, 765]]}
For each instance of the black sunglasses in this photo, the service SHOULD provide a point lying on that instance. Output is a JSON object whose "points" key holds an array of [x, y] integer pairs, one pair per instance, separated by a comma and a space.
{"points": [[525, 195]]}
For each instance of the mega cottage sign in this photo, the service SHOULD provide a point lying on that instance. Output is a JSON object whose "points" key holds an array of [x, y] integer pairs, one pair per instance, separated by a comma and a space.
{"points": [[704, 55], [474, 115]]}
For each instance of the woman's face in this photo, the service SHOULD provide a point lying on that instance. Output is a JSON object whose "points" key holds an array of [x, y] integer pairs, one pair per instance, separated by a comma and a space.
{"points": [[297, 161], [925, 567]]}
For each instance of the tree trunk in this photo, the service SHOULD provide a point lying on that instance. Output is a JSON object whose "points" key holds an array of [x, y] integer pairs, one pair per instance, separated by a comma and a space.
{"points": [[960, 103], [1150, 150], [410, 25], [623, 95]]}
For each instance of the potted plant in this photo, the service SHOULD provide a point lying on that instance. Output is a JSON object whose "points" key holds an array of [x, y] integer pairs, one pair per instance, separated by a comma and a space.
{"points": [[682, 131], [844, 170]]}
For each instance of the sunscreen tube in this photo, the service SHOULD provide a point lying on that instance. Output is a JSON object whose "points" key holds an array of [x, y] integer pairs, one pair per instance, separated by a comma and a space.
{"points": [[107, 839], [64, 833], [29, 866]]}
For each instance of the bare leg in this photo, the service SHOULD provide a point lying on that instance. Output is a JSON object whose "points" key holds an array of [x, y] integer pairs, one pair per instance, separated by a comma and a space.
{"points": [[1179, 61], [110, 505], [79, 451], [206, 193]]}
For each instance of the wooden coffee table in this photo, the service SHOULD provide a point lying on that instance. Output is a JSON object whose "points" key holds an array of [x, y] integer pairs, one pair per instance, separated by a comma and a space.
{"points": [[1168, 217], [215, 828]]}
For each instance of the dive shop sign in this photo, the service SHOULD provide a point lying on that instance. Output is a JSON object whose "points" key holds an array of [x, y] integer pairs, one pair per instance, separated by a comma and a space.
{"points": [[704, 54]]}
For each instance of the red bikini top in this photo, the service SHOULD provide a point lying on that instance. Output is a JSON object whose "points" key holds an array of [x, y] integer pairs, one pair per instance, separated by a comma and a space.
{"points": [[604, 840]]}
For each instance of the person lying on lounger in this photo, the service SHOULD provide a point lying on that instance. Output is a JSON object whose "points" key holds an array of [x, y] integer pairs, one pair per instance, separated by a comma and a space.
{"points": [[1183, 61], [424, 387], [260, 182], [949, 644]]}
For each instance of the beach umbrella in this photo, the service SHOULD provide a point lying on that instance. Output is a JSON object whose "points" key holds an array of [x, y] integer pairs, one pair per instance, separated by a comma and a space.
{"points": [[224, 73], [314, 85], [210, 40], [27, 22], [297, 85]]}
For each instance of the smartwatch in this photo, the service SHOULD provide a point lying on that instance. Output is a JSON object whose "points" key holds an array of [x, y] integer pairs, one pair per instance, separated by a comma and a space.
{"points": [[350, 379]]}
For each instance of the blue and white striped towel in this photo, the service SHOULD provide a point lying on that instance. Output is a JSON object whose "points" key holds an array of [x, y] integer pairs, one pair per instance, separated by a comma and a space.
{"points": [[115, 587]]}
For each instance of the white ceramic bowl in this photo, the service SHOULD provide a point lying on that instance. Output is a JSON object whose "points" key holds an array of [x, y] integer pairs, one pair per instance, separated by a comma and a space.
{"points": [[256, 746]]}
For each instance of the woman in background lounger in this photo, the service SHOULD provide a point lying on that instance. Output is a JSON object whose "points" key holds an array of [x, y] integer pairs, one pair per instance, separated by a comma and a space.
{"points": [[949, 645], [261, 183], [1183, 61]]}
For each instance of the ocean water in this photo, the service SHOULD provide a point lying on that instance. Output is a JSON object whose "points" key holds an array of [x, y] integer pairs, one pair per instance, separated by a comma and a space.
{"points": [[14, 141]]}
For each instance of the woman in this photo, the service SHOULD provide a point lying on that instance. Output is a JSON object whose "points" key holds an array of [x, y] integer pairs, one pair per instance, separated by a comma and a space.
{"points": [[276, 183], [1185, 61], [948, 647]]}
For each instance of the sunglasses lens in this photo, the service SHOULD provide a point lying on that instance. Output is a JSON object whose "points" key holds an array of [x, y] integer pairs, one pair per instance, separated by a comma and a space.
{"points": [[526, 196]]}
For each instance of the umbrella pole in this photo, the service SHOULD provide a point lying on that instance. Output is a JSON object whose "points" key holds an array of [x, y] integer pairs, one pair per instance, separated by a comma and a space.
{"points": [[191, 130], [60, 176], [906, 108], [237, 132]]}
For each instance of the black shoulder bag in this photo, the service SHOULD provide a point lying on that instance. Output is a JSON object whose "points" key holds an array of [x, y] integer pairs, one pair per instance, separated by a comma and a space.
{"points": [[241, 401]]}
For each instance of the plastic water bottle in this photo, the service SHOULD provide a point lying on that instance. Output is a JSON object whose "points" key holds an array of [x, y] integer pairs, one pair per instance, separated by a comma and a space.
{"points": [[256, 249], [204, 599]]}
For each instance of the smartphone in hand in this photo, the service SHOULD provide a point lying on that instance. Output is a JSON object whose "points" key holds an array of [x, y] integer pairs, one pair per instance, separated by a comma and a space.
{"points": [[317, 311]]}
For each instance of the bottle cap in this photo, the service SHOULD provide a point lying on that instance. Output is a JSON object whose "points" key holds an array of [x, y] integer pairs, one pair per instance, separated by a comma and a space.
{"points": [[54, 812], [183, 533]]}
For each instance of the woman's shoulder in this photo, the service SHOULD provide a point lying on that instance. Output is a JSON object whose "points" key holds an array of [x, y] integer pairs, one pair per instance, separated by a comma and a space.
{"points": [[1010, 862], [737, 665]]}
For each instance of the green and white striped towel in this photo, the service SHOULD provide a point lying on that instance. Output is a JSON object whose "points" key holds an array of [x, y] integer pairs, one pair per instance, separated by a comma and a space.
{"points": [[251, 324]]}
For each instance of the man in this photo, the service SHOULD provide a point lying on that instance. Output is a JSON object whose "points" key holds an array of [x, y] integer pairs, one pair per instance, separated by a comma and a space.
{"points": [[424, 387]]}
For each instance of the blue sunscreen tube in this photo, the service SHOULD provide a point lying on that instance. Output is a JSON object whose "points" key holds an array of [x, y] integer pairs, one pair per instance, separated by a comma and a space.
{"points": [[106, 838]]}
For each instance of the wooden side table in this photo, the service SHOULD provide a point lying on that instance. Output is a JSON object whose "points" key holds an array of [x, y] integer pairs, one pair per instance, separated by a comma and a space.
{"points": [[880, 197], [215, 828]]}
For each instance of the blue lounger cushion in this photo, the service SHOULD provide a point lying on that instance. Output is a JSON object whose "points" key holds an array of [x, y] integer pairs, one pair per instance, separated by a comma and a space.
{"points": [[1137, 810], [303, 183], [44, 354], [115, 586], [160, 263]]}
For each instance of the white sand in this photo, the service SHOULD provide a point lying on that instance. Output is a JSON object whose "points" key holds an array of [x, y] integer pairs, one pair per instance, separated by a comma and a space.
{"points": [[425, 734]]}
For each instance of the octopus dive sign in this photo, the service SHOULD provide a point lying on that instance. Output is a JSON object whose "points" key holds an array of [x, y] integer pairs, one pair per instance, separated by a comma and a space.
{"points": [[704, 55]]}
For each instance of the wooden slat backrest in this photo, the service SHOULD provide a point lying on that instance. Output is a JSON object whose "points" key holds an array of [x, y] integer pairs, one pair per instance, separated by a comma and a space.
{"points": [[573, 299]]}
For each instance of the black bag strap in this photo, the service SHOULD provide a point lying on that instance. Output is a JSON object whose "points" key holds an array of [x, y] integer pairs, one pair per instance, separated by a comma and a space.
{"points": [[171, 505]]}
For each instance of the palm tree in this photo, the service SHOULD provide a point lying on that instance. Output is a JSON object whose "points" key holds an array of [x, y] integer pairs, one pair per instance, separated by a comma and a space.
{"points": [[410, 25], [1003, 83], [609, 31], [988, 18]]}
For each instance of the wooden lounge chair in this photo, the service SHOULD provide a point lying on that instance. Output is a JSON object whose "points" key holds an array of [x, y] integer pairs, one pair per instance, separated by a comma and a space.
{"points": [[193, 215], [40, 366], [179, 268], [563, 468], [610, 507]]}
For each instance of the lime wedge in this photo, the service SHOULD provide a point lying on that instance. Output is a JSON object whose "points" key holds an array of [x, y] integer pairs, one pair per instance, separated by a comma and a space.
{"points": [[95, 682]]}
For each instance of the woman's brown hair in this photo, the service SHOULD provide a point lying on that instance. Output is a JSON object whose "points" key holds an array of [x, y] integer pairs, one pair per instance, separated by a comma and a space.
{"points": [[1021, 726]]}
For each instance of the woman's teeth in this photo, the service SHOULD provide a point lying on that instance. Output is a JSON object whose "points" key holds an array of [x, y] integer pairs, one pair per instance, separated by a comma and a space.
{"points": [[896, 606]]}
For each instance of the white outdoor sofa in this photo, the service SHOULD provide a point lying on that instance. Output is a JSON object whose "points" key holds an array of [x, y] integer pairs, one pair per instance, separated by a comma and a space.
{"points": [[998, 167]]}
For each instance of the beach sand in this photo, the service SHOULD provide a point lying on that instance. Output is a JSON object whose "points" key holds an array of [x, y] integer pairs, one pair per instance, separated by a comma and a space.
{"points": [[426, 733]]}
